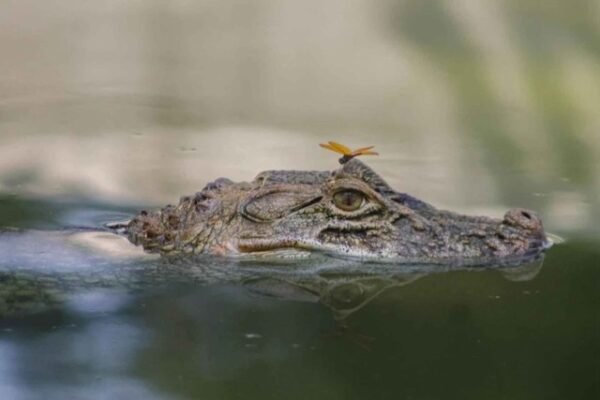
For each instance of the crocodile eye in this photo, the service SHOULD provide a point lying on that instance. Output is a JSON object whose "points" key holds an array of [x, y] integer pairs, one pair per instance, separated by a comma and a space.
{"points": [[348, 200]]}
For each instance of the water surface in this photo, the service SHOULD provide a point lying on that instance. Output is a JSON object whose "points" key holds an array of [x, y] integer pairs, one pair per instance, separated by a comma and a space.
{"points": [[115, 322]]}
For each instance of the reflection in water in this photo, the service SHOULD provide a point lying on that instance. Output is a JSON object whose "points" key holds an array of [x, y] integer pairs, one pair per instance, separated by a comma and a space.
{"points": [[346, 288], [106, 308], [145, 327], [121, 340], [45, 269]]}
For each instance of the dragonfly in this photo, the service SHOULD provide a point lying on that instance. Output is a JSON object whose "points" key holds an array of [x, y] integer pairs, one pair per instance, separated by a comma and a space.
{"points": [[347, 153]]}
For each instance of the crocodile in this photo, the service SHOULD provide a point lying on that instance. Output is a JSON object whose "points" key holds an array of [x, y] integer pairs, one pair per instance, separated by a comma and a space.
{"points": [[350, 211]]}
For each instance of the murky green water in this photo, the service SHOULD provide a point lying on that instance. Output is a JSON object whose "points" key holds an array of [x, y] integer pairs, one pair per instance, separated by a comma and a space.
{"points": [[85, 316], [477, 107], [85, 319]]}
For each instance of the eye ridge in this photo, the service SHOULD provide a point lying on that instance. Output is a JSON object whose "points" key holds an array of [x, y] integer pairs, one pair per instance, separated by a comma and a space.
{"points": [[349, 199]]}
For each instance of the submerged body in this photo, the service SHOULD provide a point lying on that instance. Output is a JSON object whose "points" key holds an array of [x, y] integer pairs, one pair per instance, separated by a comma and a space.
{"points": [[350, 211]]}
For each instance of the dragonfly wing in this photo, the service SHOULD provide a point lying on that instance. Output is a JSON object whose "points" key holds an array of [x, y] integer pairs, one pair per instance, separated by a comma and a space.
{"points": [[341, 148], [362, 150], [368, 153], [329, 147]]}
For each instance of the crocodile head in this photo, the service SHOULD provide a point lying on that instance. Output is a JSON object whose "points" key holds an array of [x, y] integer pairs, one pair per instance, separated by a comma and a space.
{"points": [[351, 211]]}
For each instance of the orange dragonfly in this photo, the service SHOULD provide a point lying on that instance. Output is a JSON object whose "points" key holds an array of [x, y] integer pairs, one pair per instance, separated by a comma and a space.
{"points": [[347, 153]]}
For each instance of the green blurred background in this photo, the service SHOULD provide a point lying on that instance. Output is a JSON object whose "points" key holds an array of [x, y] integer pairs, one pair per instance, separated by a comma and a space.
{"points": [[473, 105]]}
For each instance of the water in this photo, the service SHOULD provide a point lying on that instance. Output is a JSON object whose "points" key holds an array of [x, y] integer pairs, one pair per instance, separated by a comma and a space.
{"points": [[124, 324], [132, 327], [476, 107]]}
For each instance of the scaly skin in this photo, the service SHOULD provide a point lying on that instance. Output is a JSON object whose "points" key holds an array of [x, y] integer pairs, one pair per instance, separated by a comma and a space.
{"points": [[300, 211]]}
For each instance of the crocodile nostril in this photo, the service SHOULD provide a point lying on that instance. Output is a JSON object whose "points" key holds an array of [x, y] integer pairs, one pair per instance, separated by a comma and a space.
{"points": [[523, 219]]}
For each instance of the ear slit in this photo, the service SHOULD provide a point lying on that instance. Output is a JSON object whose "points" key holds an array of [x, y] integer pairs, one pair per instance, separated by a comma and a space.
{"points": [[307, 204], [276, 204]]}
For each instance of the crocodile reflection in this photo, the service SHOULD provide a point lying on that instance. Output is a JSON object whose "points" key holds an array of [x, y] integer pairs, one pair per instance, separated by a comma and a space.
{"points": [[345, 293], [341, 285]]}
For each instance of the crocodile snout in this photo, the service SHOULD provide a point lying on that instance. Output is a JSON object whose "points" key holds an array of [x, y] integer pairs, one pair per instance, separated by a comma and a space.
{"points": [[532, 236], [524, 219]]}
